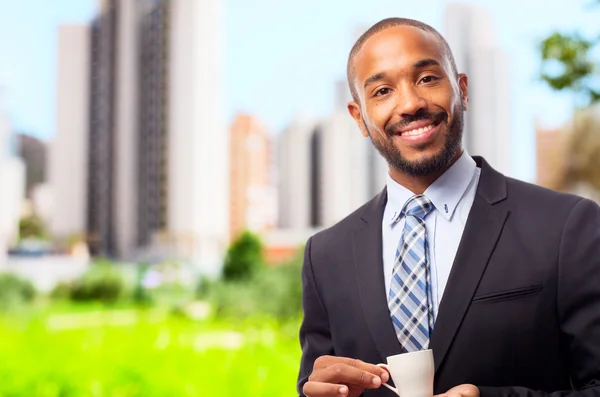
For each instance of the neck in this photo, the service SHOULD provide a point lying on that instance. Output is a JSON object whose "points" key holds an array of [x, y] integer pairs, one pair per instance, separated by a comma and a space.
{"points": [[418, 184]]}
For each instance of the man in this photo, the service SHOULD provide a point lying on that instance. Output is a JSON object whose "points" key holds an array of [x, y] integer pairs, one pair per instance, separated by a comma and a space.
{"points": [[501, 279]]}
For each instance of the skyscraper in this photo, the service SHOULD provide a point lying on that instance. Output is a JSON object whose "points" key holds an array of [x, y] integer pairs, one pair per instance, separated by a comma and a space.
{"points": [[197, 140], [294, 173], [469, 31], [252, 199], [153, 113], [344, 178], [126, 125], [68, 150], [158, 151], [101, 135]]}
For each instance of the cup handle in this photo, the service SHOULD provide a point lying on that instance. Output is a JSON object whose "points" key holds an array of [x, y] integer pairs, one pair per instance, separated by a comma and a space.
{"points": [[384, 366]]}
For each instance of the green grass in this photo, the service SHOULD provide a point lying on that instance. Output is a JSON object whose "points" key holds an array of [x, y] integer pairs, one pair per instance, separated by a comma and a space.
{"points": [[91, 351]]}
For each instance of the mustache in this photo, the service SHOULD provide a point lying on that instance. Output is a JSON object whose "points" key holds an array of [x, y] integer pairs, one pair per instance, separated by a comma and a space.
{"points": [[435, 117]]}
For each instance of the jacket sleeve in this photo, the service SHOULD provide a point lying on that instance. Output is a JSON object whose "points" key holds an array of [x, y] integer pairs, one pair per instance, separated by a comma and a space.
{"points": [[578, 306], [315, 335]]}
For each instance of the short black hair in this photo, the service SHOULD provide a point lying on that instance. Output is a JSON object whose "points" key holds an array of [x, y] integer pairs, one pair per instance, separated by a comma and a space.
{"points": [[385, 24]]}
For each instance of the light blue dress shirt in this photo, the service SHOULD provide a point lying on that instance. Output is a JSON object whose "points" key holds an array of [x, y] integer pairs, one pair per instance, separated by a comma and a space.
{"points": [[452, 195]]}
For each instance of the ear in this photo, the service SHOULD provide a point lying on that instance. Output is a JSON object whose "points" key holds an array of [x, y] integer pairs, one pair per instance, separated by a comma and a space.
{"points": [[356, 113], [463, 85]]}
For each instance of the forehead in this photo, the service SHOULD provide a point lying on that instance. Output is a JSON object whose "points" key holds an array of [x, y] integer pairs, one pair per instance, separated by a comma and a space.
{"points": [[396, 47]]}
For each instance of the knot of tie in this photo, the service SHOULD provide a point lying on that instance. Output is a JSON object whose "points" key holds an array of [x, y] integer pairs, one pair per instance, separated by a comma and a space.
{"points": [[418, 206]]}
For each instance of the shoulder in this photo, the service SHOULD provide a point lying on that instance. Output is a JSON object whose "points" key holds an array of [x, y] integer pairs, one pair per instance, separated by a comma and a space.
{"points": [[340, 235], [340, 230], [531, 194], [545, 205]]}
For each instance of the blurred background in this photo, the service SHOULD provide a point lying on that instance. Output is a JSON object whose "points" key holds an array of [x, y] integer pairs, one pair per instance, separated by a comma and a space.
{"points": [[162, 163]]}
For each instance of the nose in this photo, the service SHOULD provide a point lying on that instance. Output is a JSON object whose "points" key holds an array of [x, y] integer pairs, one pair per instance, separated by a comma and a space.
{"points": [[409, 100]]}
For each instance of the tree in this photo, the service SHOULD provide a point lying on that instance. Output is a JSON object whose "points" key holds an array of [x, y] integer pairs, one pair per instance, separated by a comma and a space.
{"points": [[568, 65], [32, 226], [244, 257]]}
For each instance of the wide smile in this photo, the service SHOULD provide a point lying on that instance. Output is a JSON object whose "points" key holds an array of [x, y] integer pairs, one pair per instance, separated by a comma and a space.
{"points": [[420, 135]]}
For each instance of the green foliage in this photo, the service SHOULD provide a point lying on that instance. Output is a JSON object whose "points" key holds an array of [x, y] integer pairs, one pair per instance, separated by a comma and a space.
{"points": [[32, 226], [156, 355], [141, 295], [279, 290], [14, 291], [101, 283], [244, 257], [203, 288], [273, 292], [568, 65], [61, 291]]}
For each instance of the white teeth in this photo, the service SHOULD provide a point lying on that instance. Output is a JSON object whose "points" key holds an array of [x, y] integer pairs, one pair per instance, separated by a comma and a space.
{"points": [[418, 131]]}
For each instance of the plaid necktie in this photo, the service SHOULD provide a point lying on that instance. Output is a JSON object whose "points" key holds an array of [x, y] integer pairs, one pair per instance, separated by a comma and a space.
{"points": [[409, 300]]}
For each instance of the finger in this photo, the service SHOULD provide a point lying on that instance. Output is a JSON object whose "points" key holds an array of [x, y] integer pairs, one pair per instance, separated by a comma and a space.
{"points": [[327, 361], [347, 374], [374, 369], [322, 389], [452, 393]]}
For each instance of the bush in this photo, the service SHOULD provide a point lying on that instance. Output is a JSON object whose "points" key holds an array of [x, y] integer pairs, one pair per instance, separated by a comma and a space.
{"points": [[15, 291], [244, 258], [102, 283], [141, 295], [61, 291], [276, 292]]}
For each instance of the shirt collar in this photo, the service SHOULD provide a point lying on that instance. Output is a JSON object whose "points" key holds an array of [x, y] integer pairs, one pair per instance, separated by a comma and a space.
{"points": [[445, 193]]}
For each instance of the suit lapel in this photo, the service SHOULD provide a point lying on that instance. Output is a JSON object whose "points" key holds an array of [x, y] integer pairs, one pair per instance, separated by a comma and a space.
{"points": [[483, 228], [368, 260]]}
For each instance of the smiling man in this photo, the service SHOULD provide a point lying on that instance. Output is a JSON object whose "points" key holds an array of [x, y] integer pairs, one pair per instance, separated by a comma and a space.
{"points": [[500, 278]]}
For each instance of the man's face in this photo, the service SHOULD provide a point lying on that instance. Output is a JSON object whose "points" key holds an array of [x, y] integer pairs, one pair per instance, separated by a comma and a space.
{"points": [[411, 103]]}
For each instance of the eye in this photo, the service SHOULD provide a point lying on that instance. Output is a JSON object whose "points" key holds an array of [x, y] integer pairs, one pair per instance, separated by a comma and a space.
{"points": [[382, 91], [429, 79]]}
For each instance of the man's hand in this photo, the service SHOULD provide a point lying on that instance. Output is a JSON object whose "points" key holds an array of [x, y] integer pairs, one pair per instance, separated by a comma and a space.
{"points": [[340, 376], [461, 391]]}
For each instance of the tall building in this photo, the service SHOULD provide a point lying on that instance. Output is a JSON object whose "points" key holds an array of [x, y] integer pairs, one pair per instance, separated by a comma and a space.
{"points": [[378, 171], [295, 145], [33, 152], [157, 162], [153, 112], [197, 140], [101, 160], [343, 180], [252, 196], [469, 31], [68, 150], [125, 124], [12, 177], [552, 146]]}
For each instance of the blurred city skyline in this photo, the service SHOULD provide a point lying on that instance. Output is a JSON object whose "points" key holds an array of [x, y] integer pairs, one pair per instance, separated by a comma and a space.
{"points": [[275, 67]]}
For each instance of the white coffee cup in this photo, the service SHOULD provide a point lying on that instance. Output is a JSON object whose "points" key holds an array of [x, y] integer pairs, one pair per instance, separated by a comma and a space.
{"points": [[412, 373]]}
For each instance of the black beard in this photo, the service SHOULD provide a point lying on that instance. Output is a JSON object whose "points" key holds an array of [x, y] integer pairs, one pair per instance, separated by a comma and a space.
{"points": [[429, 166]]}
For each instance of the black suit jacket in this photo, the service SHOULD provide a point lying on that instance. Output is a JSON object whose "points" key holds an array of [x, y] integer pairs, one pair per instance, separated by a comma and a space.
{"points": [[520, 314]]}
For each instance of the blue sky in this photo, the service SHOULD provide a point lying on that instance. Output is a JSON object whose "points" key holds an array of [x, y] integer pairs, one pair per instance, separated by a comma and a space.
{"points": [[284, 56]]}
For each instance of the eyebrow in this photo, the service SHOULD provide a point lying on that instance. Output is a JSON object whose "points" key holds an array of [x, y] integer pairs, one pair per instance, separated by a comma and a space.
{"points": [[425, 62], [417, 65], [375, 78]]}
